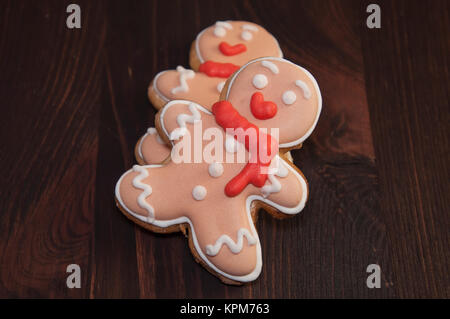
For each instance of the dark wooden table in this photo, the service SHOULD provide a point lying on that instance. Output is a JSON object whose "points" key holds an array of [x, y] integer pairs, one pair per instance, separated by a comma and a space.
{"points": [[73, 104]]}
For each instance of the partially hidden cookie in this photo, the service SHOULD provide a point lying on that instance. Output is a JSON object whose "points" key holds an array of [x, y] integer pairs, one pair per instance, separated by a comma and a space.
{"points": [[216, 53], [298, 103], [215, 203], [184, 84], [213, 60], [231, 43]]}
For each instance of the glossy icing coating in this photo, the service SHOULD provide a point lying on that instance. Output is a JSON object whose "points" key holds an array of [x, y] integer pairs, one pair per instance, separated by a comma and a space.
{"points": [[222, 229], [295, 121], [202, 88], [151, 148], [173, 203], [260, 43]]}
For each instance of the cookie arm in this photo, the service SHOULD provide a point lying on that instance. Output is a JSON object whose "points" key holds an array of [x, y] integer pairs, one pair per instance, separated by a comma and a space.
{"points": [[286, 189]]}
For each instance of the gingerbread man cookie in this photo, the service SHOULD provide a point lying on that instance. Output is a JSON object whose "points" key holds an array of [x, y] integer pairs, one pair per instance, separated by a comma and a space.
{"points": [[298, 103], [215, 202], [224, 47], [213, 58], [216, 53]]}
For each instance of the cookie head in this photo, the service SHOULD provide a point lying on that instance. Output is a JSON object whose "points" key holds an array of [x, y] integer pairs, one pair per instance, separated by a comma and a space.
{"points": [[276, 93], [235, 42]]}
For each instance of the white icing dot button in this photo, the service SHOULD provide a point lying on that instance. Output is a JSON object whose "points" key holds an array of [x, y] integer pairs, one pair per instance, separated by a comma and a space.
{"points": [[215, 169], [199, 192], [289, 97], [260, 81]]}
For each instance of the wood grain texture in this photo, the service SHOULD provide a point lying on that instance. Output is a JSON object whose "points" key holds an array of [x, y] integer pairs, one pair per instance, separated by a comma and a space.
{"points": [[73, 104], [410, 122]]}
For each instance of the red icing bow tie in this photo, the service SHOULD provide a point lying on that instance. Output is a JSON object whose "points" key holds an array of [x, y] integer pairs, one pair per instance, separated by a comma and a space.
{"points": [[230, 50], [254, 172], [216, 69]]}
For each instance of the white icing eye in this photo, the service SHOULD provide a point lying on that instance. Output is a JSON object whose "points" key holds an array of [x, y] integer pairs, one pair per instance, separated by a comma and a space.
{"points": [[220, 32], [215, 169], [305, 88], [289, 97], [260, 81], [220, 86], [199, 192], [246, 35]]}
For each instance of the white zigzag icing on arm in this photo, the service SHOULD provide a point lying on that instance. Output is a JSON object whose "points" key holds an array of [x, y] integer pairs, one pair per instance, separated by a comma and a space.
{"points": [[184, 74], [182, 119], [274, 186], [235, 247], [147, 190]]}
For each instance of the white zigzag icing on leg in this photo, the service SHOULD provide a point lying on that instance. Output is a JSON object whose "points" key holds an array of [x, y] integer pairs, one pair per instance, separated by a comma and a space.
{"points": [[182, 119], [147, 190], [235, 247]]}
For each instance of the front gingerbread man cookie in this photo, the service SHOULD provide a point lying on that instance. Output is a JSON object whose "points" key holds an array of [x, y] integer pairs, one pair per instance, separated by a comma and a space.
{"points": [[216, 197]]}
